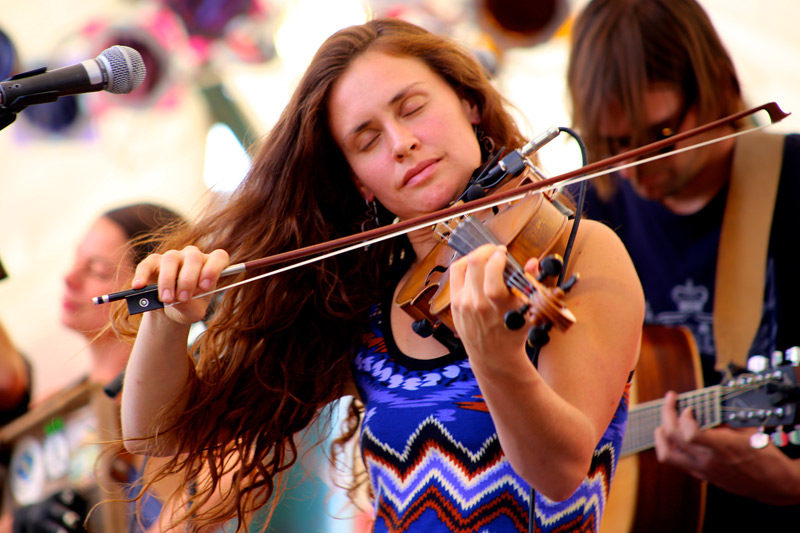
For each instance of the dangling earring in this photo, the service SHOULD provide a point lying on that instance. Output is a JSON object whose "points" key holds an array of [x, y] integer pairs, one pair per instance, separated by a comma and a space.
{"points": [[486, 142], [372, 214]]}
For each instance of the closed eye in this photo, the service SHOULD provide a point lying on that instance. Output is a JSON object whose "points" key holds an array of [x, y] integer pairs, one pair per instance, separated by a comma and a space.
{"points": [[366, 140]]}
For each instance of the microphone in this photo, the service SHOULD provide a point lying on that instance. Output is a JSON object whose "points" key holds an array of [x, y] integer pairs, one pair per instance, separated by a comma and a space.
{"points": [[513, 163], [118, 70]]}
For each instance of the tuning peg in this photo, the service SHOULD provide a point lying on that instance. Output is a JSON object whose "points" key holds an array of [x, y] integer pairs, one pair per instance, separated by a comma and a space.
{"points": [[538, 336], [793, 355], [779, 437], [549, 266], [777, 359], [794, 435], [571, 281], [759, 439], [515, 319], [423, 327], [755, 364]]}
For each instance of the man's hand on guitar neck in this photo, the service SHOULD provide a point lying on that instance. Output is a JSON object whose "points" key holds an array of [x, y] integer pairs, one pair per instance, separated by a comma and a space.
{"points": [[724, 457]]}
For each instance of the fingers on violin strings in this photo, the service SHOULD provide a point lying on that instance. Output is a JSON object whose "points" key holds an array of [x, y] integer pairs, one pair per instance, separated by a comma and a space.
{"points": [[532, 266], [493, 281], [457, 270], [475, 276]]}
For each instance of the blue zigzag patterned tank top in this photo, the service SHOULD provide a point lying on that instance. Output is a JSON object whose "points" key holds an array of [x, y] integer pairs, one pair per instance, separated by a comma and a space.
{"points": [[433, 455]]}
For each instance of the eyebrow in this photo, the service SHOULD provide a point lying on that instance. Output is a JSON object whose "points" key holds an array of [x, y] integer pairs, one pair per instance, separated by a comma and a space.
{"points": [[396, 98]]}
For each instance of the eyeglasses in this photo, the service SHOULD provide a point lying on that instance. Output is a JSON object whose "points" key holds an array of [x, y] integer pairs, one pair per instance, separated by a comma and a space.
{"points": [[656, 132]]}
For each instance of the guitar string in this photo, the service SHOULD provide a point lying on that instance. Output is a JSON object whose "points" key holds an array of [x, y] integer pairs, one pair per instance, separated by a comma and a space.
{"points": [[648, 415]]}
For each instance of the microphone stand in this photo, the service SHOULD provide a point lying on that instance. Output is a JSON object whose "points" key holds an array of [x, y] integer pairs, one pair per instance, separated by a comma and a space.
{"points": [[7, 116], [8, 111]]}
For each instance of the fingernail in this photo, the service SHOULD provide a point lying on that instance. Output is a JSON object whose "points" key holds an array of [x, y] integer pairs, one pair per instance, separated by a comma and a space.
{"points": [[166, 295], [205, 284], [183, 296]]}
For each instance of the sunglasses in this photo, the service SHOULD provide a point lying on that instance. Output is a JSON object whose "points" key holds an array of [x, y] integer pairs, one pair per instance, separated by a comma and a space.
{"points": [[653, 133]]}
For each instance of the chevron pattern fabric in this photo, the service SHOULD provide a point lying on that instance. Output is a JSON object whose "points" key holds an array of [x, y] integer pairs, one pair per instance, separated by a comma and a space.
{"points": [[434, 457]]}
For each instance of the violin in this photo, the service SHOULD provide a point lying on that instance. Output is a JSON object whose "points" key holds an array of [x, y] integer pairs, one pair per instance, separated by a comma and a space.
{"points": [[530, 226]]}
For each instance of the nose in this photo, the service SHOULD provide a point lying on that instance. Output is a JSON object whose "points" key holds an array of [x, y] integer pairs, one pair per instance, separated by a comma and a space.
{"points": [[73, 278], [403, 141]]}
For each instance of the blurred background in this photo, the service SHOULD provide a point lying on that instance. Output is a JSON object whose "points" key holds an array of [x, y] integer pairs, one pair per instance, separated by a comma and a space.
{"points": [[218, 74]]}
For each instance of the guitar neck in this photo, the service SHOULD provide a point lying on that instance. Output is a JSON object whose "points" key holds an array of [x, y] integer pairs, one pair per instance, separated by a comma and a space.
{"points": [[645, 417]]}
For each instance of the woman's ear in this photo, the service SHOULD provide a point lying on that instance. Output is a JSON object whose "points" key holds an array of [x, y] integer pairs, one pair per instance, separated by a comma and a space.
{"points": [[363, 190], [472, 111]]}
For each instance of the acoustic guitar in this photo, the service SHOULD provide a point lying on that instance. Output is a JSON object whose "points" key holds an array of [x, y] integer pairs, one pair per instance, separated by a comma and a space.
{"points": [[648, 496]]}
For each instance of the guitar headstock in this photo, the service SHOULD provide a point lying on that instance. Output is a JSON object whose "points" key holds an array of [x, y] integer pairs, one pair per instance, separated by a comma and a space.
{"points": [[765, 399], [773, 400]]}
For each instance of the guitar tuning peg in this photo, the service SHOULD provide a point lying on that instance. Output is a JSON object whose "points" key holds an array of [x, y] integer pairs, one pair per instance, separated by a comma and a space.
{"points": [[757, 364], [759, 439], [779, 437], [793, 355], [777, 359], [794, 435]]}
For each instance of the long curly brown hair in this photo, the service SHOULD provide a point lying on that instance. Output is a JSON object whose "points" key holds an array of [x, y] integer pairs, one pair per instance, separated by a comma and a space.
{"points": [[278, 350]]}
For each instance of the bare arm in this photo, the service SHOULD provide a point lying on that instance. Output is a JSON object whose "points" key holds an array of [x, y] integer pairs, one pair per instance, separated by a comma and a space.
{"points": [[550, 420], [159, 366]]}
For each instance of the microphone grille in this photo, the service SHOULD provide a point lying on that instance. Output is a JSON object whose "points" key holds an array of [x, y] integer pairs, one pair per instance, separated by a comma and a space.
{"points": [[125, 66]]}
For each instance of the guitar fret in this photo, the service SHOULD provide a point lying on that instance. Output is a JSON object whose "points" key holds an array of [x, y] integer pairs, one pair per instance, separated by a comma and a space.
{"points": [[646, 417]]}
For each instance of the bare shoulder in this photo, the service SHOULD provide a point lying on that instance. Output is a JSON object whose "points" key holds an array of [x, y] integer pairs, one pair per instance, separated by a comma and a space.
{"points": [[598, 247], [604, 266]]}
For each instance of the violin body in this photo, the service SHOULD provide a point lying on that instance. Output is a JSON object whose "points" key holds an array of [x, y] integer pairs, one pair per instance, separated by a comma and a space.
{"points": [[530, 227]]}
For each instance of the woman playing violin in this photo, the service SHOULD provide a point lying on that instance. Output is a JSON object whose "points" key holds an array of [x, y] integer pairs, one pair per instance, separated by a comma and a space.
{"points": [[453, 439]]}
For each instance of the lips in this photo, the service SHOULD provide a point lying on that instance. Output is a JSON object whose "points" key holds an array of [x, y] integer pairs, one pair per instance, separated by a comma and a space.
{"points": [[417, 170], [70, 305]]}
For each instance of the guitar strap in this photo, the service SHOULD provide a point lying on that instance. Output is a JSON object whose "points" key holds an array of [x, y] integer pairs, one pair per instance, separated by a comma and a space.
{"points": [[743, 243]]}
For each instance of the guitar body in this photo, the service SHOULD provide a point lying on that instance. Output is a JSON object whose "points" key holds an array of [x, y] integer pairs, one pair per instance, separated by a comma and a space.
{"points": [[647, 496]]}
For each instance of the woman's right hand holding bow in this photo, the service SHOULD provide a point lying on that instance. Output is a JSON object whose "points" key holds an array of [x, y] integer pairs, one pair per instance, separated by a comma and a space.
{"points": [[160, 365], [182, 274]]}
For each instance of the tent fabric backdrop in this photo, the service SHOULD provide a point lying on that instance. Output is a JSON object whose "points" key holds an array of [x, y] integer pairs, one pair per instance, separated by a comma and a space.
{"points": [[52, 187]]}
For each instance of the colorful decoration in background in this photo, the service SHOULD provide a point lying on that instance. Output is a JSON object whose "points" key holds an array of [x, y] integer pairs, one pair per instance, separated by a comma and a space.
{"points": [[8, 56], [209, 18], [242, 26], [489, 27], [56, 118], [520, 23]]}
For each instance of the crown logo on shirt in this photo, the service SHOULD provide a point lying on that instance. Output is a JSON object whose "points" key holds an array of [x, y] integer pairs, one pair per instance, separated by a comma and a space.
{"points": [[690, 298]]}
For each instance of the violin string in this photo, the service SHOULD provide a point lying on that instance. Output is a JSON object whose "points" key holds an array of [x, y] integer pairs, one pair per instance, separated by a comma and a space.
{"points": [[463, 244], [468, 211], [470, 234]]}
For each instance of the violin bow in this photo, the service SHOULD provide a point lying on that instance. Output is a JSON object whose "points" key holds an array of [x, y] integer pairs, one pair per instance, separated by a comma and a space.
{"points": [[146, 298]]}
